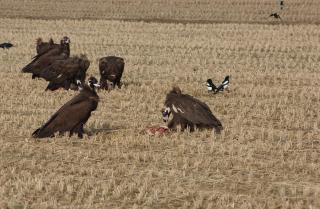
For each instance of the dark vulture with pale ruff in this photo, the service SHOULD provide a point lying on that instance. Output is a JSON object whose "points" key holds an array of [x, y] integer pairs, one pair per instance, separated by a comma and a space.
{"points": [[66, 73], [43, 60], [111, 69], [188, 112], [72, 116]]}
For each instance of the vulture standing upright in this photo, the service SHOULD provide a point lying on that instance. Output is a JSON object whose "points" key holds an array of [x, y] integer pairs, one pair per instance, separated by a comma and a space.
{"points": [[72, 116], [46, 58], [111, 69], [66, 73], [188, 112]]}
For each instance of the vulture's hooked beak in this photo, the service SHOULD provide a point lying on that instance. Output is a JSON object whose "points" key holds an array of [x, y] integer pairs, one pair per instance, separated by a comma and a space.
{"points": [[165, 115]]}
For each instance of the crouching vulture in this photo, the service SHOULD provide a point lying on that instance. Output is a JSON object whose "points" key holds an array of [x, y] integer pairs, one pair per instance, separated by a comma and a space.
{"points": [[72, 116], [188, 112], [46, 58], [111, 69], [66, 73]]}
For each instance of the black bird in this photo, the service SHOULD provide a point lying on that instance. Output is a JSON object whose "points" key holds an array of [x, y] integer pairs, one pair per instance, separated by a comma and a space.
{"points": [[6, 45], [66, 73], [211, 86], [188, 112], [224, 85], [111, 69], [72, 116], [281, 4], [275, 15], [45, 59]]}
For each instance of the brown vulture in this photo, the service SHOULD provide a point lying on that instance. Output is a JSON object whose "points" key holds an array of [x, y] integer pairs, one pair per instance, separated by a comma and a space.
{"points": [[188, 112], [46, 58], [111, 69], [72, 116], [66, 73], [45, 46]]}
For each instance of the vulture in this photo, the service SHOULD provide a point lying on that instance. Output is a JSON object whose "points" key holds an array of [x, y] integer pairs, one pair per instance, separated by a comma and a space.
{"points": [[111, 69], [6, 45], [72, 116], [188, 112], [66, 73], [46, 58], [45, 46]]}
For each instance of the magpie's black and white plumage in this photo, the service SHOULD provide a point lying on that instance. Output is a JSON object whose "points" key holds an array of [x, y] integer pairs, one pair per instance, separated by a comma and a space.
{"points": [[275, 15], [224, 85], [6, 45], [73, 115], [211, 86], [188, 112]]}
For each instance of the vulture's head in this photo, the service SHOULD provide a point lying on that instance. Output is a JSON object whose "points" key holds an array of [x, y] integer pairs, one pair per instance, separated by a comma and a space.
{"points": [[109, 83], [65, 40], [166, 111], [176, 90], [93, 83]]}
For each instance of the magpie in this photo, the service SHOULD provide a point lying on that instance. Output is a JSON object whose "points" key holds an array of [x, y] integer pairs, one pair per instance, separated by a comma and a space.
{"points": [[6, 45], [224, 85], [275, 15], [211, 86]]}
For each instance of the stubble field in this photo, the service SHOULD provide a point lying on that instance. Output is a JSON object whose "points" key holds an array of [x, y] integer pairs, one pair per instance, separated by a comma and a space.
{"points": [[266, 157]]}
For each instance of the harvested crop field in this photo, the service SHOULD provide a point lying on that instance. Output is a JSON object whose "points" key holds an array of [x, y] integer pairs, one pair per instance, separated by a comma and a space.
{"points": [[267, 156]]}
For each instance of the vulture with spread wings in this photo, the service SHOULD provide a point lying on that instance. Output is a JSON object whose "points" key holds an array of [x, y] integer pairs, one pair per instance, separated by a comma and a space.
{"points": [[46, 58], [72, 116], [188, 112], [66, 73]]}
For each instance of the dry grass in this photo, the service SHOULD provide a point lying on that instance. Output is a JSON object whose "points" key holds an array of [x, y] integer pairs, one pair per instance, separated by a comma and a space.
{"points": [[251, 11], [267, 156]]}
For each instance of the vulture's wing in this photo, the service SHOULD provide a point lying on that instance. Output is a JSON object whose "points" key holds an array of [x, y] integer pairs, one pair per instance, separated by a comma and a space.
{"points": [[60, 70], [193, 110], [72, 113], [43, 61], [45, 47]]}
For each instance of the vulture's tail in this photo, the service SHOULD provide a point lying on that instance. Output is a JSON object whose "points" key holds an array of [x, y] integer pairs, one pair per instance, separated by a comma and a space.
{"points": [[218, 129], [36, 133], [41, 133]]}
